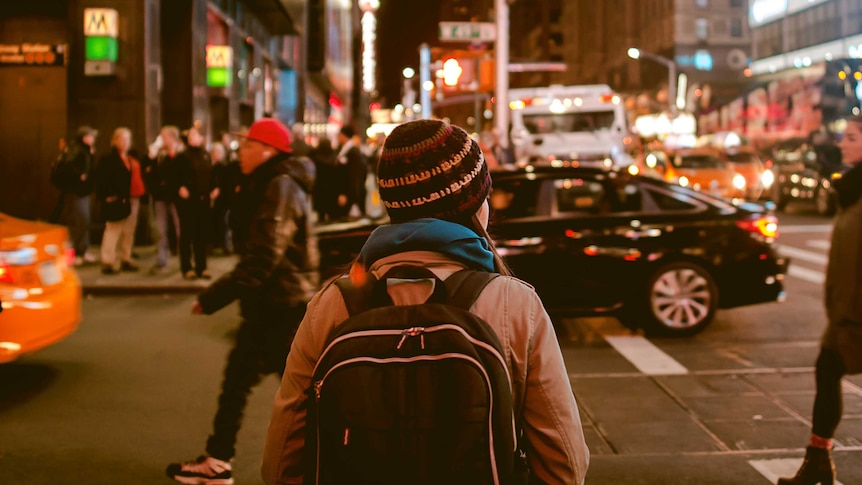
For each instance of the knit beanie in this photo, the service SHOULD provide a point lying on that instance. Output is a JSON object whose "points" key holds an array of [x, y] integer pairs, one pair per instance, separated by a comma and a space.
{"points": [[429, 168]]}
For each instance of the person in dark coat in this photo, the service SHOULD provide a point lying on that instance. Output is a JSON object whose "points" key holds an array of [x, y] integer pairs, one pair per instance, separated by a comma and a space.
{"points": [[354, 170], [75, 181], [196, 189], [221, 202], [325, 196], [274, 279], [841, 345], [161, 181]]}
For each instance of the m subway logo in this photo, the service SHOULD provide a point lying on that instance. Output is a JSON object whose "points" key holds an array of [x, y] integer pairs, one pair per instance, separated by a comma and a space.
{"points": [[100, 22]]}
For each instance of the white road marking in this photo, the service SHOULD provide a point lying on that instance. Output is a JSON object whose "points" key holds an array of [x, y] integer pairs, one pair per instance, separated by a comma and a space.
{"points": [[778, 468], [819, 243], [806, 274], [805, 228], [803, 255], [648, 358]]}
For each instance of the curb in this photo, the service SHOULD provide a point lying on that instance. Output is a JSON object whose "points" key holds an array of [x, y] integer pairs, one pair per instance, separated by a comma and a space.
{"points": [[141, 290]]}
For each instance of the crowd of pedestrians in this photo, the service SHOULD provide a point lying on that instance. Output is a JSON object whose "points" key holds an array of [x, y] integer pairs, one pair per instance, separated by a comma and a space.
{"points": [[189, 193]]}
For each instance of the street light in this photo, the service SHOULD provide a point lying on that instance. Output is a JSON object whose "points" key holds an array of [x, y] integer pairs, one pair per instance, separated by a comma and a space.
{"points": [[408, 95], [636, 53]]}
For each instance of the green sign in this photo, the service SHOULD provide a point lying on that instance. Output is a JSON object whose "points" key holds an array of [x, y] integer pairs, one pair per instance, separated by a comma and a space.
{"points": [[100, 48], [219, 77]]}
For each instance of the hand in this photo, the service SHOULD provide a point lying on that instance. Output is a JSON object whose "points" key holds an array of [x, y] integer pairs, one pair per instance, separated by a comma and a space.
{"points": [[83, 177], [197, 309], [342, 200], [184, 192], [110, 199], [215, 193]]}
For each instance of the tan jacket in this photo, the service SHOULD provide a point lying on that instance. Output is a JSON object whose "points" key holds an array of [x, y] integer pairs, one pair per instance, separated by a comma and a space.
{"points": [[542, 392]]}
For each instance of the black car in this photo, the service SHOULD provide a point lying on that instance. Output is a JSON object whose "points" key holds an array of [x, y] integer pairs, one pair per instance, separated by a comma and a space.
{"points": [[804, 173], [594, 241]]}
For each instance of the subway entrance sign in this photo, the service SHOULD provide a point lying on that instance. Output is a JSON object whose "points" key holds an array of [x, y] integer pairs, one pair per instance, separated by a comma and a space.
{"points": [[100, 41]]}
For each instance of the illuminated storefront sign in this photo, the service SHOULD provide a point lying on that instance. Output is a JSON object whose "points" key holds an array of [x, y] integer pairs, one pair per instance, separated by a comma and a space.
{"points": [[32, 54], [219, 66], [369, 37], [100, 41]]}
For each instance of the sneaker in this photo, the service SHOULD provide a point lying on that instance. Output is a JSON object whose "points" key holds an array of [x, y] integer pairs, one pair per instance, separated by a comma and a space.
{"points": [[108, 269], [205, 275], [128, 266], [190, 275], [89, 258], [205, 470]]}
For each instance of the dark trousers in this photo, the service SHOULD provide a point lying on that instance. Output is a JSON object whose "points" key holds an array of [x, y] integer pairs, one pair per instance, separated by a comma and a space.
{"points": [[77, 216], [194, 221], [828, 402], [261, 348], [221, 233]]}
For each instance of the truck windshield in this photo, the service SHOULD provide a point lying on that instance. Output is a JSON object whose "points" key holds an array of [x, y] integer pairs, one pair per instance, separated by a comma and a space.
{"points": [[544, 123]]}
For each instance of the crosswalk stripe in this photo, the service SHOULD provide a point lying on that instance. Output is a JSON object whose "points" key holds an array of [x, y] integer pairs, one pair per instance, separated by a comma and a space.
{"points": [[803, 254], [805, 228], [648, 358], [778, 468], [818, 243], [806, 274]]}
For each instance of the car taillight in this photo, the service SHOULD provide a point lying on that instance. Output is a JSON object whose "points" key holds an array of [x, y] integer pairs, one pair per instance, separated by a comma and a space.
{"points": [[70, 257], [5, 273], [766, 226]]}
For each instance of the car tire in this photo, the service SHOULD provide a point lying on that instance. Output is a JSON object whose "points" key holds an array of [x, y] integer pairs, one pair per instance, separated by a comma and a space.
{"points": [[679, 300], [823, 201]]}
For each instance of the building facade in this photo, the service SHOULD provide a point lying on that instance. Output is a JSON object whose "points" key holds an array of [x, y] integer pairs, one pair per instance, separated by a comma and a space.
{"points": [[143, 64]]}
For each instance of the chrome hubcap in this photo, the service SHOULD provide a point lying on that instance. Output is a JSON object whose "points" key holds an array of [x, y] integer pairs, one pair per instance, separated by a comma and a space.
{"points": [[681, 298]]}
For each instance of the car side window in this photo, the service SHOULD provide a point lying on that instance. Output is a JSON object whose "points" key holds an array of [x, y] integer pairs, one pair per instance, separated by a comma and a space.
{"points": [[667, 202], [579, 196], [511, 199]]}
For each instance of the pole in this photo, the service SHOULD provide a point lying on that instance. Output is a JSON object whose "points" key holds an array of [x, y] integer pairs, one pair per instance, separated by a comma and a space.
{"points": [[671, 87], [501, 109], [424, 76]]}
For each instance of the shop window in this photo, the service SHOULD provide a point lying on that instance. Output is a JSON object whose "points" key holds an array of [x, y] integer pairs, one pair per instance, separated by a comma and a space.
{"points": [[702, 3], [701, 28]]}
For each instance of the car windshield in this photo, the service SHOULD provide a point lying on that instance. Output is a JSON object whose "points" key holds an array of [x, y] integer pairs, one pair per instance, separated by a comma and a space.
{"points": [[546, 123], [742, 157], [696, 161]]}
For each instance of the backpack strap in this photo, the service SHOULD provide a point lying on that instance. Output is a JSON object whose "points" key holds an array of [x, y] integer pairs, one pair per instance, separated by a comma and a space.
{"points": [[357, 299], [464, 286]]}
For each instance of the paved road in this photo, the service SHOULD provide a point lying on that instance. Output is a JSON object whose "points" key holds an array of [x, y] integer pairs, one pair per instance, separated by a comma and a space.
{"points": [[135, 388]]}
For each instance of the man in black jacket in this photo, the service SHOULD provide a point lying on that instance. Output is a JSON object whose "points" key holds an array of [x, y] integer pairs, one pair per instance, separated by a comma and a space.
{"points": [[75, 179], [274, 279]]}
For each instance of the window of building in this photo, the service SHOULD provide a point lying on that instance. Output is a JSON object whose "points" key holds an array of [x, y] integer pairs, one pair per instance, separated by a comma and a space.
{"points": [[702, 3], [736, 27], [701, 28], [735, 3]]}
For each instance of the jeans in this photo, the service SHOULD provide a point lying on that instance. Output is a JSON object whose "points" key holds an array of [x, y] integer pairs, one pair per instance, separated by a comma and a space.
{"points": [[122, 231], [77, 211], [261, 348], [162, 209]]}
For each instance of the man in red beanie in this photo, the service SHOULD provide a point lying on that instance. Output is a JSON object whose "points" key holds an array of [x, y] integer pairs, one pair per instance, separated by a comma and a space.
{"points": [[274, 279]]}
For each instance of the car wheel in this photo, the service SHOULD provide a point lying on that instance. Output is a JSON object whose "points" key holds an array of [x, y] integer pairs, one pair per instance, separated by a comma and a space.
{"points": [[823, 200], [681, 300]]}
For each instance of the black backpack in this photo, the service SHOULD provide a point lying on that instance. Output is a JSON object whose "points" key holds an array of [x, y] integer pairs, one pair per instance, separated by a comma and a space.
{"points": [[413, 394]]}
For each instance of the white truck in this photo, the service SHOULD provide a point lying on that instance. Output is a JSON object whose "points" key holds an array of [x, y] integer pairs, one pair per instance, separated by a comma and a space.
{"points": [[569, 123]]}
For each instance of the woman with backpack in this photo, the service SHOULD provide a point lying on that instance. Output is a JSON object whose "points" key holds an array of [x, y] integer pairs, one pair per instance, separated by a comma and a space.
{"points": [[435, 184]]}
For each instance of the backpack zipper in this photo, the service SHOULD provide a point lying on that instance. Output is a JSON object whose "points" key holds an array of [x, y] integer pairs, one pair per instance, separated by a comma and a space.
{"points": [[420, 358], [424, 330]]}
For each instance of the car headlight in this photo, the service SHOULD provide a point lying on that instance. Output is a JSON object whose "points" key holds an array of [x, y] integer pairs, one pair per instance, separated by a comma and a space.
{"points": [[767, 178], [739, 181], [682, 181]]}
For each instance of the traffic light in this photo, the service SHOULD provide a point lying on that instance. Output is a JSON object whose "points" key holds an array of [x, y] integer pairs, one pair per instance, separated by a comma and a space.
{"points": [[451, 71]]}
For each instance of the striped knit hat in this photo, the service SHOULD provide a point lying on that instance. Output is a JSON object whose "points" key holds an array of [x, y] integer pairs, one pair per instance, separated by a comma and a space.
{"points": [[429, 168]]}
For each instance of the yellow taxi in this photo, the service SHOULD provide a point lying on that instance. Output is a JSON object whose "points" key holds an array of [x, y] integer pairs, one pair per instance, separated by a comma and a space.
{"points": [[747, 162], [40, 294], [701, 169]]}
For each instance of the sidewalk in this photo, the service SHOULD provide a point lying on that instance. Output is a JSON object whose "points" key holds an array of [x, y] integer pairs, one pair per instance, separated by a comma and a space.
{"points": [[142, 282]]}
